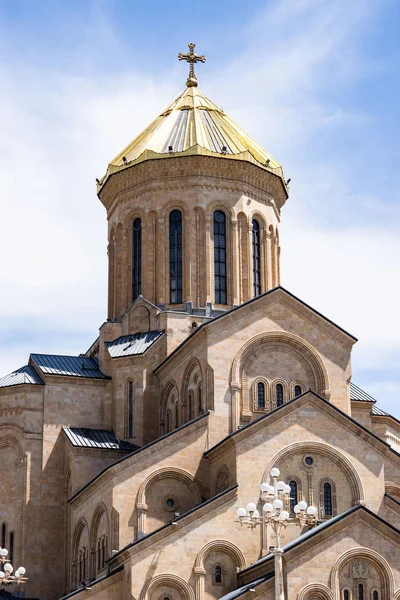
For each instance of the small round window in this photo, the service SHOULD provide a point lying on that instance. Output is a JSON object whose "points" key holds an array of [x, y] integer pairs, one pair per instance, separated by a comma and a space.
{"points": [[170, 503], [309, 461]]}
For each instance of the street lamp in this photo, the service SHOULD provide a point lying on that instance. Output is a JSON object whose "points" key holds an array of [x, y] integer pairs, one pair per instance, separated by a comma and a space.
{"points": [[6, 574], [275, 512]]}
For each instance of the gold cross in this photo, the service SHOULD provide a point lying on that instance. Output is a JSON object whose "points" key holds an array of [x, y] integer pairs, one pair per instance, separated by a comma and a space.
{"points": [[192, 58]]}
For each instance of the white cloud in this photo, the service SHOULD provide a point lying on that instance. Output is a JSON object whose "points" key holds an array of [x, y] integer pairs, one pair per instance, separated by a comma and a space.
{"points": [[60, 128]]}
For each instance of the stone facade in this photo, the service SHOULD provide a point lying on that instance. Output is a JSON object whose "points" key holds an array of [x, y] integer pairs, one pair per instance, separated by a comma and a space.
{"points": [[200, 400]]}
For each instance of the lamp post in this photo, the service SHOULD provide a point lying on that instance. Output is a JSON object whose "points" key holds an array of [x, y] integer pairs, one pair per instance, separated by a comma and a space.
{"points": [[6, 572], [276, 513]]}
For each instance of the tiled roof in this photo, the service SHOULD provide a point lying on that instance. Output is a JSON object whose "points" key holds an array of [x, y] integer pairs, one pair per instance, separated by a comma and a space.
{"points": [[21, 376], [83, 437], [129, 345], [73, 366], [357, 393]]}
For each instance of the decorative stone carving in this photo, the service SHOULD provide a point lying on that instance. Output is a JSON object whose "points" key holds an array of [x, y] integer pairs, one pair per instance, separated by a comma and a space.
{"points": [[360, 570], [222, 482]]}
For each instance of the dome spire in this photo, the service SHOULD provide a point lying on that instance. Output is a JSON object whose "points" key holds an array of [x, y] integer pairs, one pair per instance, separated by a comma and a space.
{"points": [[191, 57]]}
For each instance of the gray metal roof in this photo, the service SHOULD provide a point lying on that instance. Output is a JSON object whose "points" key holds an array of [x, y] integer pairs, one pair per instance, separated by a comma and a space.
{"points": [[357, 393], [21, 376], [73, 366], [129, 345], [82, 437], [379, 412]]}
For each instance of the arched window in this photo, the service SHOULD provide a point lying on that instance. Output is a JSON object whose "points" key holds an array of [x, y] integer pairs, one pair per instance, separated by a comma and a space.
{"points": [[297, 390], [220, 286], [129, 411], [293, 495], [176, 415], [360, 591], [260, 394], [11, 548], [4, 535], [200, 401], [375, 595], [175, 257], [98, 555], [168, 421], [190, 405], [256, 258], [136, 258], [218, 574], [346, 595], [279, 394], [327, 499]]}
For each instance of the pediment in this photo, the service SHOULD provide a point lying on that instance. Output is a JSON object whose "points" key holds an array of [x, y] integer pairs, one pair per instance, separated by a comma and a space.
{"points": [[140, 317]]}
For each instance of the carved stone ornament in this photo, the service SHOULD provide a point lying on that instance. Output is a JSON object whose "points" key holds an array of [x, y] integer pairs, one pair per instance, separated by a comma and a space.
{"points": [[222, 480], [360, 570]]}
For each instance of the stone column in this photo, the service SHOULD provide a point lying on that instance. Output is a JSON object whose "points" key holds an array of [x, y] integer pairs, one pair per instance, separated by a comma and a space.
{"points": [[235, 405], [235, 264], [141, 508], [268, 260], [250, 261], [279, 593], [188, 259], [162, 257], [200, 574]]}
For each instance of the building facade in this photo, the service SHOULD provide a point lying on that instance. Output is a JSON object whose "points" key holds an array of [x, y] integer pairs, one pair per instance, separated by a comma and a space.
{"points": [[123, 467]]}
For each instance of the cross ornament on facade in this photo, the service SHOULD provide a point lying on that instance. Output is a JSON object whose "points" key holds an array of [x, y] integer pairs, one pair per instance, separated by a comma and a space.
{"points": [[191, 57]]}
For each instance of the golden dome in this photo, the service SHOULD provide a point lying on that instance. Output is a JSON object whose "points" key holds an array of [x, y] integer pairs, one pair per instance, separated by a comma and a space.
{"points": [[193, 124]]}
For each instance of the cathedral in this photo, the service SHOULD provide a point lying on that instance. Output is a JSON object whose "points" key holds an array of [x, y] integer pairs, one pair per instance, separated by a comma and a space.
{"points": [[209, 388]]}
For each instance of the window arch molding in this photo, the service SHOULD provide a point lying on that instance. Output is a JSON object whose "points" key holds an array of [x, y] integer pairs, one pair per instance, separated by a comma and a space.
{"points": [[317, 591], [100, 511], [285, 395], [322, 497], [267, 398], [371, 556], [229, 217], [128, 227], [187, 381], [290, 478], [292, 389], [343, 594], [263, 229], [165, 216], [170, 389]]}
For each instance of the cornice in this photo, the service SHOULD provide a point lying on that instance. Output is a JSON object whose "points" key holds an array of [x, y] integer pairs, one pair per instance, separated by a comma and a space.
{"points": [[72, 381], [155, 174], [164, 532], [152, 449]]}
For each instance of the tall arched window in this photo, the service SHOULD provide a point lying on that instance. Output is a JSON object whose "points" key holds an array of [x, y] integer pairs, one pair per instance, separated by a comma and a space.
{"points": [[136, 258], [175, 257], [346, 595], [256, 258], [168, 421], [11, 548], [220, 286], [297, 390], [4, 535], [129, 411], [360, 591], [279, 394], [191, 405], [293, 495], [260, 394], [327, 499], [375, 595], [218, 574], [176, 415], [200, 400]]}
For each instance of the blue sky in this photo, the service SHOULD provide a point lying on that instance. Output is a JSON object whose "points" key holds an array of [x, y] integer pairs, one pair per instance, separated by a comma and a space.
{"points": [[316, 83]]}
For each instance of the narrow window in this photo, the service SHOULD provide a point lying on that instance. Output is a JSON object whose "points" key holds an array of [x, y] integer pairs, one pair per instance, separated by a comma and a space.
{"points": [[168, 421], [80, 567], [3, 535], [190, 405], [256, 258], [375, 595], [220, 257], [346, 595], [260, 395], [327, 499], [200, 400], [130, 409], [297, 390], [218, 574], [279, 394], [175, 257], [84, 565], [360, 591], [98, 555], [11, 547], [176, 415], [137, 259], [293, 495]]}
